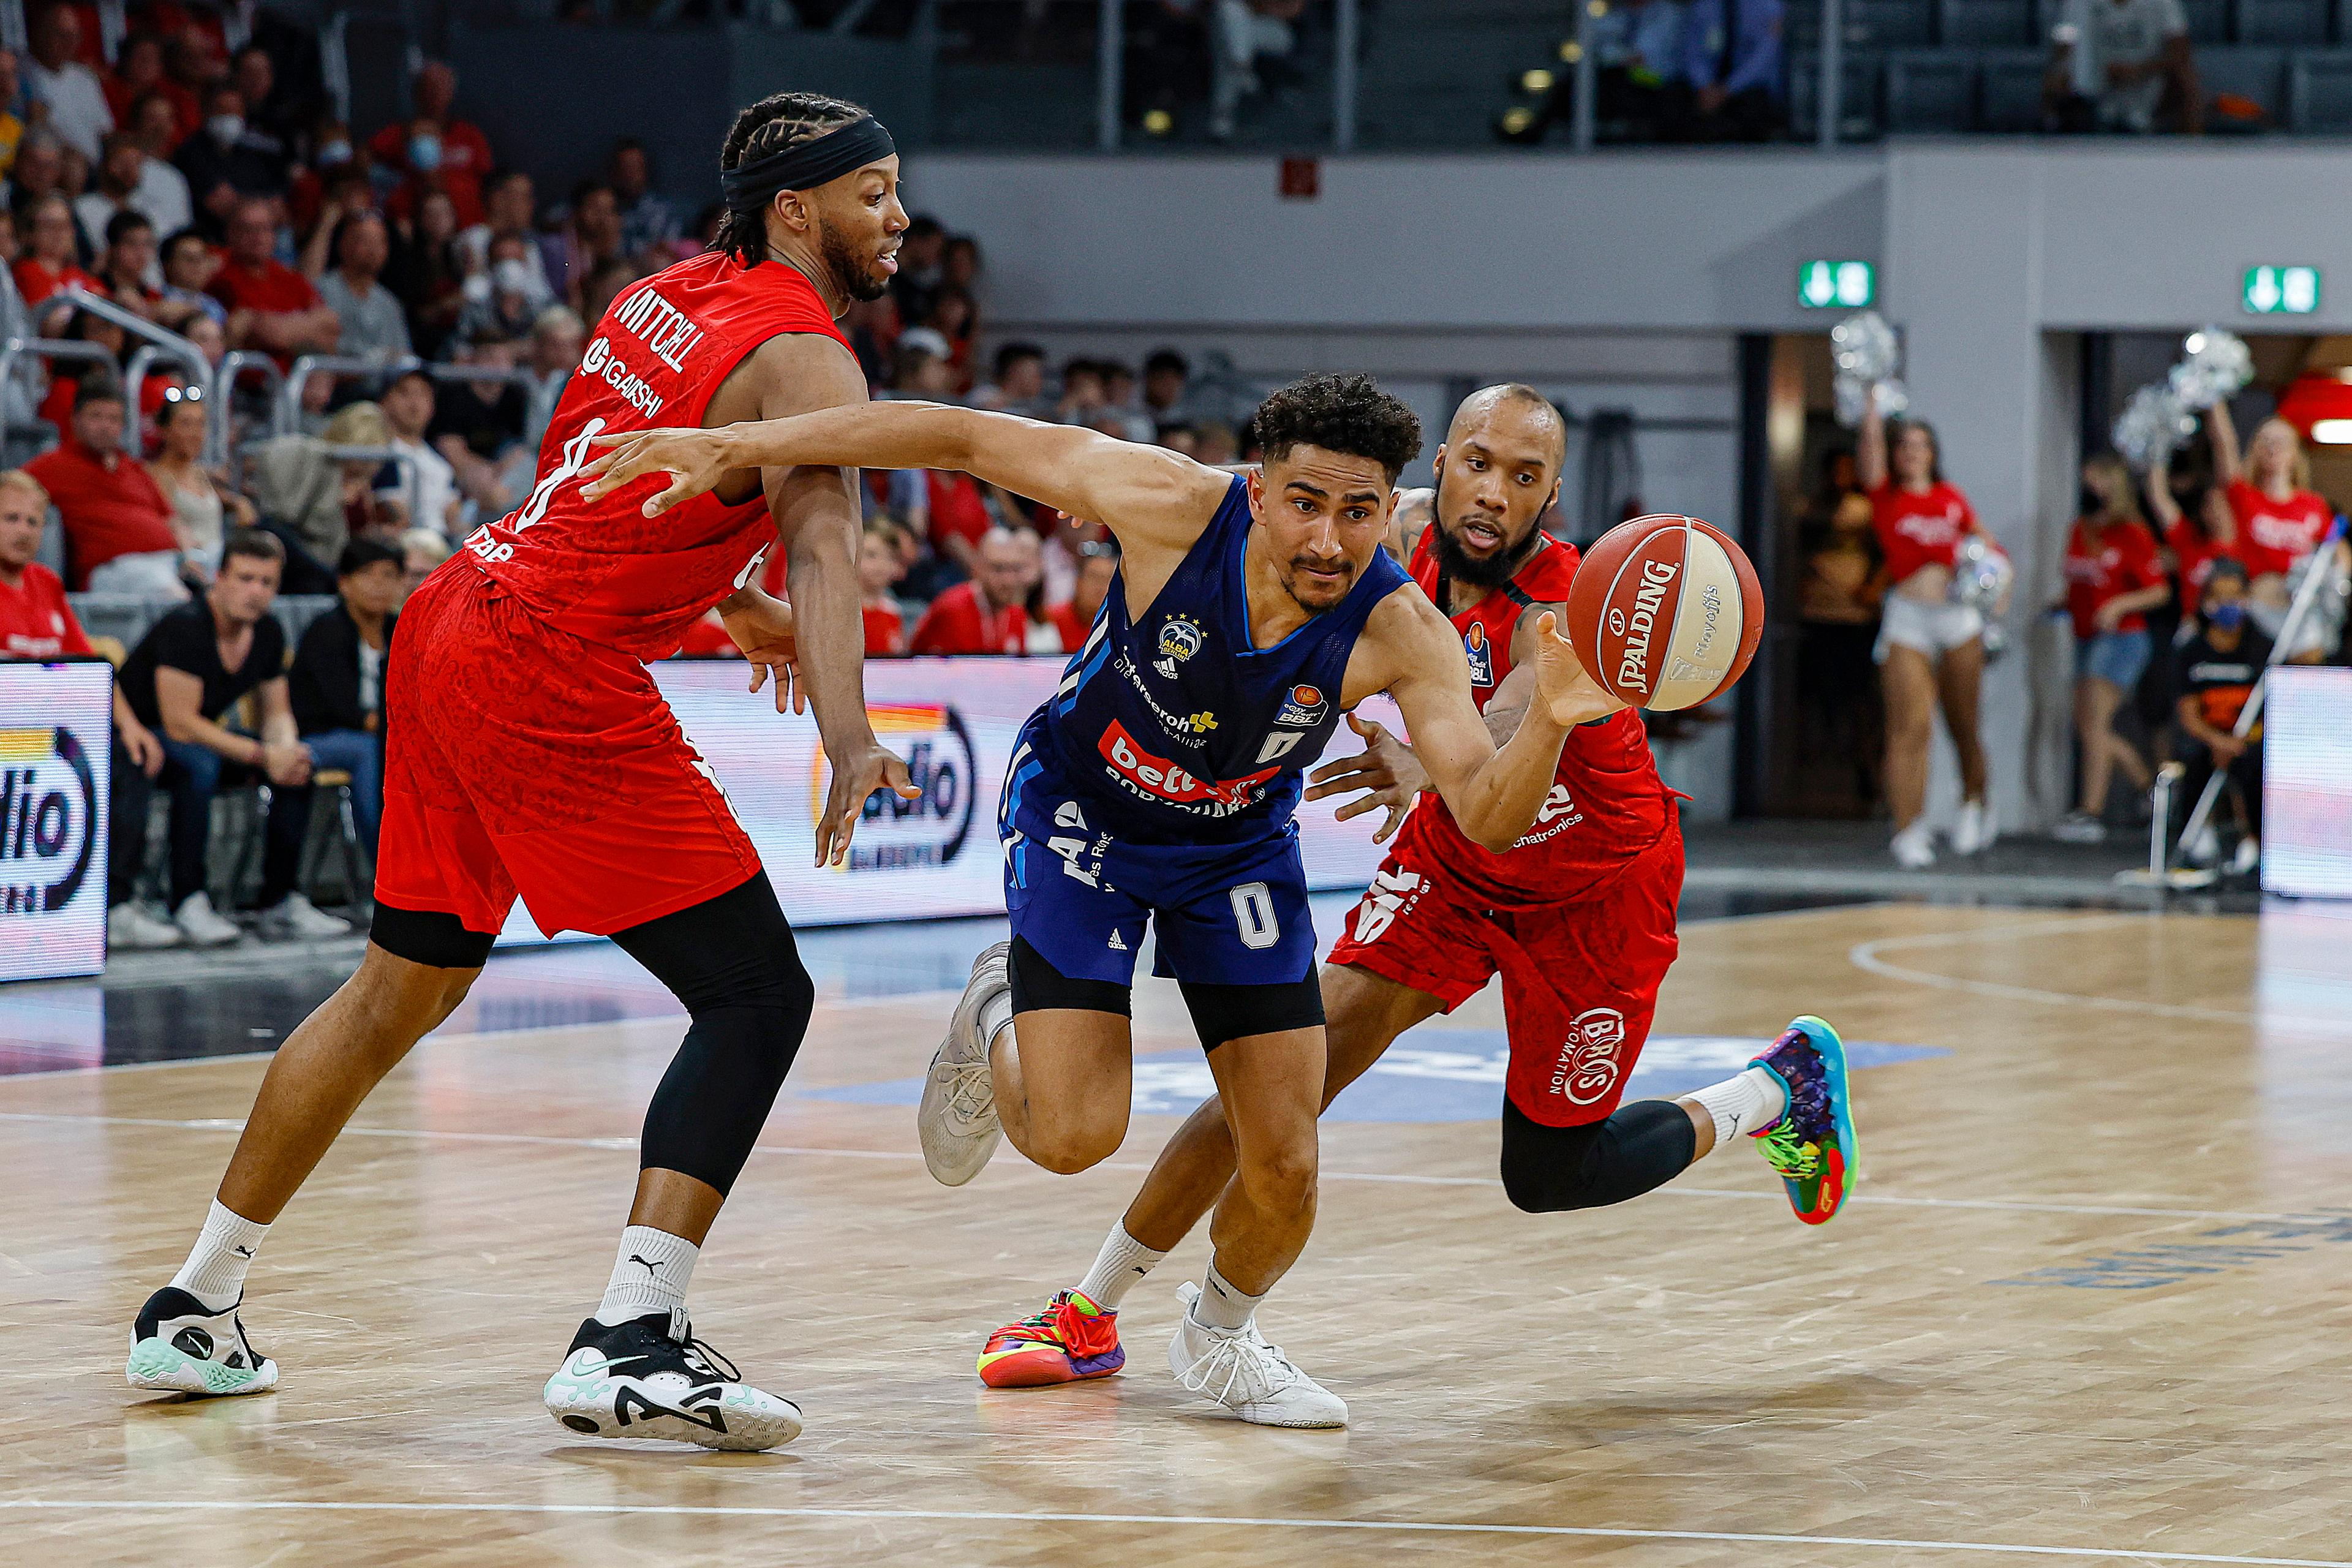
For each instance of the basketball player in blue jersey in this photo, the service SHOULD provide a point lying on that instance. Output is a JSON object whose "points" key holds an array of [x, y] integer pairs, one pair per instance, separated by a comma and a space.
{"points": [[1159, 781]]}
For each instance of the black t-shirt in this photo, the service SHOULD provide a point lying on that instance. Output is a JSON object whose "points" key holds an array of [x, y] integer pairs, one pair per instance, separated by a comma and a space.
{"points": [[489, 428], [2220, 682], [187, 639]]}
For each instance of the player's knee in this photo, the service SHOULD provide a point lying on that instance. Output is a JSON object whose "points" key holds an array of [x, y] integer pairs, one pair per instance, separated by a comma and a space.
{"points": [[1066, 1149], [1281, 1180]]}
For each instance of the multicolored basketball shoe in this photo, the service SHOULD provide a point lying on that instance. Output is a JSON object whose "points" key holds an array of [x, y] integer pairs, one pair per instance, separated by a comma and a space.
{"points": [[1812, 1144], [1070, 1340]]}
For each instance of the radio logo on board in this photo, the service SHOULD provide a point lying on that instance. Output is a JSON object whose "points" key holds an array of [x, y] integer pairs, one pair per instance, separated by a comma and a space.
{"points": [[894, 834], [48, 811]]}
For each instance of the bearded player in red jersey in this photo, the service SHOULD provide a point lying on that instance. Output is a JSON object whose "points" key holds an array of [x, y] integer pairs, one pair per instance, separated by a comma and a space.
{"points": [[1578, 918], [531, 753]]}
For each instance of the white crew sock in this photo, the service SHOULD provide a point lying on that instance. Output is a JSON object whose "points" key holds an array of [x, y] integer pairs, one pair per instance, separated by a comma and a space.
{"points": [[649, 1276], [1120, 1265], [214, 1271], [1748, 1103], [1221, 1304], [994, 1014]]}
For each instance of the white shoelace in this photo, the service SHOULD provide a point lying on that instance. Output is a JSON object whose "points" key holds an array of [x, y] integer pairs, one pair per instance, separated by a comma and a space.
{"points": [[972, 1091], [1246, 1361]]}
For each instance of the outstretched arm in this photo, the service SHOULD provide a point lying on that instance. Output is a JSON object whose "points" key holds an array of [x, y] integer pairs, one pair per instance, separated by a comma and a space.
{"points": [[1493, 794], [1870, 445], [2225, 431], [1148, 496]]}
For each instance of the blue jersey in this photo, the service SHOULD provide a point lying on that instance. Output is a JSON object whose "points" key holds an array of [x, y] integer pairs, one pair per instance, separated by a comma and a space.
{"points": [[1185, 732]]}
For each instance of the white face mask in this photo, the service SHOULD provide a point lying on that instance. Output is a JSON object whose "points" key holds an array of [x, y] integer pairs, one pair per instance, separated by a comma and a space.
{"points": [[225, 128]]}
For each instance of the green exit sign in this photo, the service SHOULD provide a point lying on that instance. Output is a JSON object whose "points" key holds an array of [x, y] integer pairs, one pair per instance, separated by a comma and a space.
{"points": [[2281, 290], [1842, 285]]}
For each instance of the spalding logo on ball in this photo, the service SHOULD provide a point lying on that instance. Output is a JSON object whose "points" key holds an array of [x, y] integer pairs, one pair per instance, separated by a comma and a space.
{"points": [[1666, 612]]}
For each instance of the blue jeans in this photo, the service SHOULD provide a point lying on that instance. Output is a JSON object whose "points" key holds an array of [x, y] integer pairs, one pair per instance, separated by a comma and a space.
{"points": [[360, 754], [192, 775]]}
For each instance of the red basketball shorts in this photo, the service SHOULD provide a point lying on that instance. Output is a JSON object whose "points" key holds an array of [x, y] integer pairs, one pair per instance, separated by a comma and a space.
{"points": [[1580, 980], [520, 759]]}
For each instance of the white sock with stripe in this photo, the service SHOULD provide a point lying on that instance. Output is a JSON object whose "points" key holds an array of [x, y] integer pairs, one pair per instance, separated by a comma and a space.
{"points": [[649, 1276], [214, 1271], [1748, 1103]]}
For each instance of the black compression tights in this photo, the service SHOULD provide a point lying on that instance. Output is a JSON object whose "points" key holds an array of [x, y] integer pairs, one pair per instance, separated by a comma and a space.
{"points": [[1545, 1169], [733, 961]]}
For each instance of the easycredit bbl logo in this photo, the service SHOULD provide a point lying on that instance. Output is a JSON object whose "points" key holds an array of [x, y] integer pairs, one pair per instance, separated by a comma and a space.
{"points": [[931, 829], [48, 811]]}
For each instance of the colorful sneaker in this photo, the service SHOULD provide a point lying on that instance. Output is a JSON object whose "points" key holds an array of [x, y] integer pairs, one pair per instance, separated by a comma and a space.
{"points": [[180, 1345], [650, 1377], [1812, 1144], [1070, 1340]]}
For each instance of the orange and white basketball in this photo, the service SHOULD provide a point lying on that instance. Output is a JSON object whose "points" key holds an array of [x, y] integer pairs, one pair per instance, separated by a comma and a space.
{"points": [[1666, 612]]}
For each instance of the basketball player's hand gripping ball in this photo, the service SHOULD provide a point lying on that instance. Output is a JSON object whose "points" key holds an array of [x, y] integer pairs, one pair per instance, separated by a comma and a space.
{"points": [[1563, 684], [1666, 612]]}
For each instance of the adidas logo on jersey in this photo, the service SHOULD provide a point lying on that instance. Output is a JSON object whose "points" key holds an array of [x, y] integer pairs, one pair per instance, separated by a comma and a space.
{"points": [[1117, 943]]}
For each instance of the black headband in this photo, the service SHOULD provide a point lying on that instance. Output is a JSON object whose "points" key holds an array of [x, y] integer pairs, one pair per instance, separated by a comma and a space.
{"points": [[749, 186]]}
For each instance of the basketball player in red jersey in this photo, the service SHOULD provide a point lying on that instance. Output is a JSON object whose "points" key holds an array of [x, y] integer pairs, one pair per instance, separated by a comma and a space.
{"points": [[529, 753], [1577, 918]]}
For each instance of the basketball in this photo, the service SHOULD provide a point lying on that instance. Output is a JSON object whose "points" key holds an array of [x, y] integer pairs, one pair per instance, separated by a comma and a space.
{"points": [[1666, 612]]}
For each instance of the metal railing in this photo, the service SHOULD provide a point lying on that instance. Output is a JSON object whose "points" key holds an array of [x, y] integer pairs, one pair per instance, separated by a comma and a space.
{"points": [[156, 343]]}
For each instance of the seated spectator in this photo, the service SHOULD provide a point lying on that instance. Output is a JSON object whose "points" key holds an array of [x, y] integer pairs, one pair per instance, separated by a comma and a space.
{"points": [[504, 300], [1000, 610], [2219, 657], [2113, 580], [163, 191], [271, 307], [269, 109], [12, 128], [422, 550], [181, 680], [1167, 377], [919, 367], [647, 222], [1074, 617], [371, 323], [1020, 383], [127, 271], [955, 318], [1082, 393], [427, 486], [36, 622], [189, 267], [556, 340], [589, 239], [50, 260], [434, 151], [606, 286], [332, 184], [67, 92], [428, 273], [39, 171], [314, 497], [478, 427], [117, 180], [959, 263], [916, 283], [229, 160], [119, 537], [880, 566], [2121, 65], [336, 684], [1727, 84], [509, 208], [204, 509], [66, 376], [139, 75]]}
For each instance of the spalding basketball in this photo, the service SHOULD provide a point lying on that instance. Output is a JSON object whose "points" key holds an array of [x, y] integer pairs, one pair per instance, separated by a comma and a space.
{"points": [[1666, 612]]}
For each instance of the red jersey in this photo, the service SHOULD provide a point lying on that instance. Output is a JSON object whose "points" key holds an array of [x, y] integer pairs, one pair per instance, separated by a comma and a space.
{"points": [[2194, 554], [1920, 530], [36, 282], [36, 622], [107, 511], [600, 570], [1607, 802], [2119, 560], [885, 631], [2273, 534], [961, 621]]}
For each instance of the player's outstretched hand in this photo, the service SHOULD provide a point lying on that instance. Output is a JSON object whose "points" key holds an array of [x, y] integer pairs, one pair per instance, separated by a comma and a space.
{"points": [[1386, 771], [696, 461], [1568, 689], [855, 778], [762, 627]]}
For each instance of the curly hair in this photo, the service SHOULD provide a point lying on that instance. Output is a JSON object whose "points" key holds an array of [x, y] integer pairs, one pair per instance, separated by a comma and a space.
{"points": [[779, 120], [1345, 414]]}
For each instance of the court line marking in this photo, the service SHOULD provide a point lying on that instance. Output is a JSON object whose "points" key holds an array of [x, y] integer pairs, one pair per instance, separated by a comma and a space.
{"points": [[423, 1135], [975, 1516], [1864, 956]]}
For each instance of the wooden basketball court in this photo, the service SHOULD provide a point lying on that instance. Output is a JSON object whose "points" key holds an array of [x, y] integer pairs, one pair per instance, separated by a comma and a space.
{"points": [[2089, 1306]]}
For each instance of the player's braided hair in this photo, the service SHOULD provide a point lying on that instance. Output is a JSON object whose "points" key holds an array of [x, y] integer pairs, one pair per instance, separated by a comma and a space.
{"points": [[1344, 414], [779, 120]]}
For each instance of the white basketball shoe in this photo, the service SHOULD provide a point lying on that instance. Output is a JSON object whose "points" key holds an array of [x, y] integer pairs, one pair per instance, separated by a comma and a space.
{"points": [[180, 1345], [1237, 1369], [650, 1377], [957, 1121]]}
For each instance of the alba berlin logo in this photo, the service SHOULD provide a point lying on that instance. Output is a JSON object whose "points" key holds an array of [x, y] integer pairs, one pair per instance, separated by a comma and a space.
{"points": [[48, 809]]}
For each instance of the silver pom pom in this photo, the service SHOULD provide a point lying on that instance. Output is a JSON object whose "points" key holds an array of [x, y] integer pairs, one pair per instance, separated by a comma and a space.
{"points": [[2217, 364], [1864, 347], [2154, 422], [1980, 573]]}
